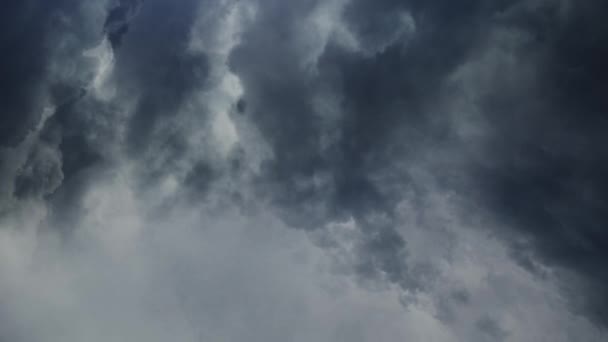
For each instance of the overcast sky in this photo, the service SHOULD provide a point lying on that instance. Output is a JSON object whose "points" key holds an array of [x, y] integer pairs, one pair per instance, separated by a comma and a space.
{"points": [[311, 170]]}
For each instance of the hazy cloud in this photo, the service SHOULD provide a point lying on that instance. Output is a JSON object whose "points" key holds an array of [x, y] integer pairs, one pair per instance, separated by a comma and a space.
{"points": [[337, 170]]}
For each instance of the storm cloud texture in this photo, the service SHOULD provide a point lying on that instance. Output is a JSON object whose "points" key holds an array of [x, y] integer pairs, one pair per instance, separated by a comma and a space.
{"points": [[312, 170]]}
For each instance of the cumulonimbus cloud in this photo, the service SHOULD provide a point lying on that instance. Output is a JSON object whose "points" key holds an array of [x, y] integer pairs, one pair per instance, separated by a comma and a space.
{"points": [[218, 165]]}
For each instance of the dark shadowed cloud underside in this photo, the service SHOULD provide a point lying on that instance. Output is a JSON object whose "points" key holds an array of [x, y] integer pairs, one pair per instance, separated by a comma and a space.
{"points": [[318, 170]]}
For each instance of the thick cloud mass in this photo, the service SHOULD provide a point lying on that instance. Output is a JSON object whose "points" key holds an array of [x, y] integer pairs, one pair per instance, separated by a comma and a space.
{"points": [[319, 170]]}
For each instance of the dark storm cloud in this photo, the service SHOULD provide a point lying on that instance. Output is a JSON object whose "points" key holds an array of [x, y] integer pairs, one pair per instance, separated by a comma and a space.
{"points": [[546, 166], [384, 95], [81, 129], [151, 64], [545, 144], [46, 99], [27, 36], [43, 96], [22, 37], [313, 184], [385, 91], [41, 173], [117, 22], [156, 66], [342, 119], [29, 87]]}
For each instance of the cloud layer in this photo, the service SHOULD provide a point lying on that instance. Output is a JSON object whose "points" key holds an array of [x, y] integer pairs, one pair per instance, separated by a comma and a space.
{"points": [[336, 170]]}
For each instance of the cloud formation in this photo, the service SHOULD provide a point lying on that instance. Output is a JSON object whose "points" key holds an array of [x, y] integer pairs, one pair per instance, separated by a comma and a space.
{"points": [[336, 170]]}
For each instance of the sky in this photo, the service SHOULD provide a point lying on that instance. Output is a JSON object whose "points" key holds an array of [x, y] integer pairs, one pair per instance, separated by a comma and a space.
{"points": [[312, 170]]}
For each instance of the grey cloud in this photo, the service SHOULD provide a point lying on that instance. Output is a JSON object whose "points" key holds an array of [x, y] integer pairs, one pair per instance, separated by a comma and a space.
{"points": [[41, 173], [156, 67], [542, 171], [22, 39], [445, 156], [117, 21], [531, 178], [325, 170], [491, 329]]}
